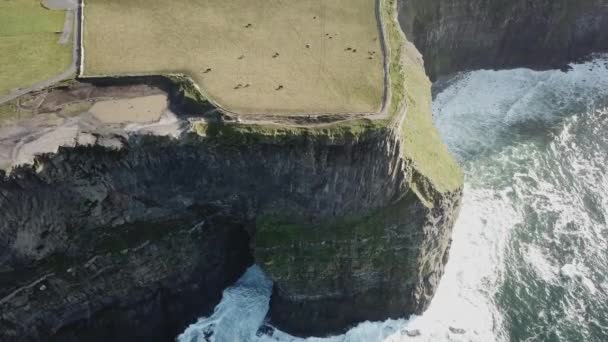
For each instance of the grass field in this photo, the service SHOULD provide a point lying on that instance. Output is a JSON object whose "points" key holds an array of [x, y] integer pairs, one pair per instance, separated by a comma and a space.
{"points": [[249, 56], [29, 44]]}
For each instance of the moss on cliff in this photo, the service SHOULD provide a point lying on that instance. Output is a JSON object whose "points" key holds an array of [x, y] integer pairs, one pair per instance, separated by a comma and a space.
{"points": [[411, 89], [422, 143], [239, 134], [409, 110], [290, 249]]}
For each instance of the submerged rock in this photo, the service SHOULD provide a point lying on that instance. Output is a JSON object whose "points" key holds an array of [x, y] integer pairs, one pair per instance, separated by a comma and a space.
{"points": [[458, 331]]}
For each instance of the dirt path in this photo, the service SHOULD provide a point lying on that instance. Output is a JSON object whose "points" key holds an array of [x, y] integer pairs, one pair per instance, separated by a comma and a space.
{"points": [[68, 28], [60, 4]]}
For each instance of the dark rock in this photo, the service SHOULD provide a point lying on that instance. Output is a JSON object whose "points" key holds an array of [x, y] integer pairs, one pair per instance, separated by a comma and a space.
{"points": [[461, 35], [265, 330], [411, 333], [458, 331], [152, 233]]}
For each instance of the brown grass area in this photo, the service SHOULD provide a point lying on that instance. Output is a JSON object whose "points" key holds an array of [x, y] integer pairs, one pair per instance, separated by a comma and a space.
{"points": [[209, 40]]}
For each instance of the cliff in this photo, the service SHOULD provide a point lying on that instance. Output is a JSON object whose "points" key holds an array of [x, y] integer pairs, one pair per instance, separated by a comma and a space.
{"points": [[131, 237], [461, 35], [96, 241]]}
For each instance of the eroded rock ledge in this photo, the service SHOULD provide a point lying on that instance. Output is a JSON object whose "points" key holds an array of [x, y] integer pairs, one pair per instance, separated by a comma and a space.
{"points": [[133, 238], [95, 240]]}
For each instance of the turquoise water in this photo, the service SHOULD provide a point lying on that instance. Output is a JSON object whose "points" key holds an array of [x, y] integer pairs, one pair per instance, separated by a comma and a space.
{"points": [[529, 260]]}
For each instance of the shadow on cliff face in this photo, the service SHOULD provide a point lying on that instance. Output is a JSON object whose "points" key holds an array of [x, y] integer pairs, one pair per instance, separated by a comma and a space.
{"points": [[136, 243], [476, 34], [186, 270], [131, 282]]}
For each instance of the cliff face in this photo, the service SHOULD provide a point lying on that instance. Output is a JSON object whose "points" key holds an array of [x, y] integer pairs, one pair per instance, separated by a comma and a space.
{"points": [[136, 243], [460, 35], [133, 238], [101, 245]]}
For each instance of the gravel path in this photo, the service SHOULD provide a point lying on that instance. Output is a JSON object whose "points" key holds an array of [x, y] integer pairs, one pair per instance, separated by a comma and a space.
{"points": [[60, 4], [68, 27]]}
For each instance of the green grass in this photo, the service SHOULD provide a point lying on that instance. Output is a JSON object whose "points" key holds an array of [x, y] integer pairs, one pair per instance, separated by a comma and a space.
{"points": [[188, 37], [29, 44], [411, 87], [433, 170], [285, 247]]}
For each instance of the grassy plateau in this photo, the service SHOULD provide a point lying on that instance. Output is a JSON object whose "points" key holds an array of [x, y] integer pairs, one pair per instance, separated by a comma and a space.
{"points": [[29, 36], [248, 56]]}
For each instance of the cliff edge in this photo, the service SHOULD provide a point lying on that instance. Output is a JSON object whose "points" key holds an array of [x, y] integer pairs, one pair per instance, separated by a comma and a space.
{"points": [[477, 34], [128, 236]]}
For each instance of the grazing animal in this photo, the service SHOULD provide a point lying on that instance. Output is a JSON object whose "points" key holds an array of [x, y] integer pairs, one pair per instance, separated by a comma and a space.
{"points": [[241, 56], [207, 70], [279, 87]]}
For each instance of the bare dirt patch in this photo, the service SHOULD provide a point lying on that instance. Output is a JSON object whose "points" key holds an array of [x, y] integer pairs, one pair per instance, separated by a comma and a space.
{"points": [[139, 110]]}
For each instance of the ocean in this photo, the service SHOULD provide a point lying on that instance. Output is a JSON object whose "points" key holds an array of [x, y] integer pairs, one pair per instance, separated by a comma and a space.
{"points": [[529, 258]]}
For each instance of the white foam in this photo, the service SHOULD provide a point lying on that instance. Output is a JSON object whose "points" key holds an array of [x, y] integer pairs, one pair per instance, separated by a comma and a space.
{"points": [[240, 313], [519, 188], [478, 110], [540, 262]]}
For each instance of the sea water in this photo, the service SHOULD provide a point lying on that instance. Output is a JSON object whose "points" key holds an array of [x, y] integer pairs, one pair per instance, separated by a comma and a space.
{"points": [[529, 260]]}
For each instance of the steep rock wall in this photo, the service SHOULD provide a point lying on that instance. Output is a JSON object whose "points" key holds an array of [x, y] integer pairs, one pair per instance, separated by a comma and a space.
{"points": [[95, 241], [456, 35], [352, 220]]}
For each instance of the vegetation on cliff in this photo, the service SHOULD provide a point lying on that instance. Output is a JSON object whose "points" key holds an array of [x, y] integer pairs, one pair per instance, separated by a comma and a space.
{"points": [[434, 170], [248, 56]]}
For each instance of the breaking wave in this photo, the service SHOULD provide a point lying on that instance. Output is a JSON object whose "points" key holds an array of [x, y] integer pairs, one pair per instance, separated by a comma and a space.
{"points": [[529, 259]]}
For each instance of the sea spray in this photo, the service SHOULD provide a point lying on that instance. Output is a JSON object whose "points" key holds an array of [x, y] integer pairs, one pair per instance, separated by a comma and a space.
{"points": [[529, 258]]}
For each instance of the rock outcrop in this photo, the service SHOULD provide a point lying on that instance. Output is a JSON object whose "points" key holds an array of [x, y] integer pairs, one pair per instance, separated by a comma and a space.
{"points": [[458, 35], [131, 237], [96, 242]]}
